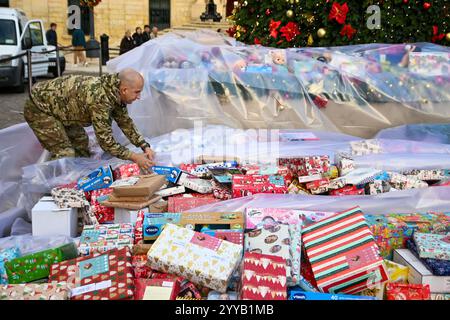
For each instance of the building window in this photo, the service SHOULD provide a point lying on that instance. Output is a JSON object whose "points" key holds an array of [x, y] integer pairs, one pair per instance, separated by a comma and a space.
{"points": [[85, 21], [4, 3]]}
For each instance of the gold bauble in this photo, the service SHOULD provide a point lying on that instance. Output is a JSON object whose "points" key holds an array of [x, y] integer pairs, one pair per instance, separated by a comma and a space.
{"points": [[447, 36], [290, 13], [321, 32]]}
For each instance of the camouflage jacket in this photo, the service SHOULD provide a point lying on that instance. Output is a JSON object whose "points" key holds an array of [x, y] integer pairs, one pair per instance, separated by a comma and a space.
{"points": [[86, 101]]}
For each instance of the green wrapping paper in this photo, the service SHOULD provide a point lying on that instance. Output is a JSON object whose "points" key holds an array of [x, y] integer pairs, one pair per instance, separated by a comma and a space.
{"points": [[36, 266]]}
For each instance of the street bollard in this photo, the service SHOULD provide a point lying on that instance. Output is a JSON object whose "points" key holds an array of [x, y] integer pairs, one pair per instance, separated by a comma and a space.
{"points": [[104, 44], [30, 71], [58, 65]]}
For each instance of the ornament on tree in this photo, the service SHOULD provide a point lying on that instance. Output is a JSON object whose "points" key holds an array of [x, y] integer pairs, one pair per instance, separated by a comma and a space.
{"points": [[338, 12], [348, 31], [268, 12], [289, 13], [426, 5], [447, 37], [436, 35], [290, 31], [310, 40], [273, 28], [321, 32], [405, 1]]}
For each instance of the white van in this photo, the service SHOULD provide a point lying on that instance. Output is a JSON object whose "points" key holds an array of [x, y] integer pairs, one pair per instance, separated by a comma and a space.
{"points": [[18, 34]]}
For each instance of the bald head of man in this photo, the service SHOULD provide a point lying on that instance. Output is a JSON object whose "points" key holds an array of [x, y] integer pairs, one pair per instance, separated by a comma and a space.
{"points": [[131, 85]]}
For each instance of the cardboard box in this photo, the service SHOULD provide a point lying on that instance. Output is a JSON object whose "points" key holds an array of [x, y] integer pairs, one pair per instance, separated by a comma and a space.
{"points": [[263, 277], [102, 238], [147, 185], [199, 258], [131, 205], [101, 178], [156, 289], [107, 276], [154, 223], [418, 272], [303, 295], [49, 220], [171, 174], [37, 266], [29, 291], [343, 254]]}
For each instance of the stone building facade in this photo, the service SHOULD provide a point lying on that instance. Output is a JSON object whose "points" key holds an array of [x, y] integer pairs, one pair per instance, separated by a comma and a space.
{"points": [[114, 17]]}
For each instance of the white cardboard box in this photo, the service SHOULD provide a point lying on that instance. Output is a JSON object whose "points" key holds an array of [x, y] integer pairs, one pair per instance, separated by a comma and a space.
{"points": [[49, 220], [419, 274], [126, 215]]}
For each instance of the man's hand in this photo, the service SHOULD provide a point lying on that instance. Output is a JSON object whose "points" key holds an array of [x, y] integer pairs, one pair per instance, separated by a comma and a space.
{"points": [[143, 162], [150, 154]]}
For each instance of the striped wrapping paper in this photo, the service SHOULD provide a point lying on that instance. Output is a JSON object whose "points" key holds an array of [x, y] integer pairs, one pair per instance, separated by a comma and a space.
{"points": [[343, 254]]}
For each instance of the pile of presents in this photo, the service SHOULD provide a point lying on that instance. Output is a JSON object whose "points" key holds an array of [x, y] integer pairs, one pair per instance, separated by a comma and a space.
{"points": [[138, 242]]}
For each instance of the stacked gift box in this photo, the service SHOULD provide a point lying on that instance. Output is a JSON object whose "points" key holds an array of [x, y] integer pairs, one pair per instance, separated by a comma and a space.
{"points": [[150, 243]]}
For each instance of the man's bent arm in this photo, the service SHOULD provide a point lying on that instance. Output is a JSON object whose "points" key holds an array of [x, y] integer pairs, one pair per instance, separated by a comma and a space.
{"points": [[126, 124], [103, 131]]}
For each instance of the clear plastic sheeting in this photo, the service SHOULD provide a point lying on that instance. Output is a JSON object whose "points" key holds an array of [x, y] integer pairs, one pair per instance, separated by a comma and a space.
{"points": [[357, 90], [409, 201], [437, 133], [28, 244]]}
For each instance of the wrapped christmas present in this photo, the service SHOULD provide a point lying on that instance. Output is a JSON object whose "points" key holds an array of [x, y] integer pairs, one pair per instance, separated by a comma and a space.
{"points": [[201, 259], [107, 276], [343, 254], [263, 277]]}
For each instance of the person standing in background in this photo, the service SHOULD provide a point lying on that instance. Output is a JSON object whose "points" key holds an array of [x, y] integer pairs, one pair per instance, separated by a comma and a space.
{"points": [[154, 33], [79, 44], [146, 35], [52, 36], [138, 37], [127, 43]]}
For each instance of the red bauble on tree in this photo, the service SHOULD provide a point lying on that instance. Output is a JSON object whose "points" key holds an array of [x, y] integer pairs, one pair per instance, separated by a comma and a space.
{"points": [[268, 12], [290, 31], [405, 1], [338, 12], [426, 5]]}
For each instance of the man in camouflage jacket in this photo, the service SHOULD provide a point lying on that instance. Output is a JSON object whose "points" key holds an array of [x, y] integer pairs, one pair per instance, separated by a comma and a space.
{"points": [[59, 110]]}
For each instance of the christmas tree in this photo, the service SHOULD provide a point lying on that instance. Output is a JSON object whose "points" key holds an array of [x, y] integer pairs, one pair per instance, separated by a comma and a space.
{"points": [[322, 23]]}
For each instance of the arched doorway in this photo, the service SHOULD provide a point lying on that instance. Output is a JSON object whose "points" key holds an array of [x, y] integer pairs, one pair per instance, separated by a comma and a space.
{"points": [[160, 13]]}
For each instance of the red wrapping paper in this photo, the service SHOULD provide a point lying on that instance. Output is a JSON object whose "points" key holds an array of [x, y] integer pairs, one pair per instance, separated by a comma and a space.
{"points": [[399, 291], [182, 204], [142, 284], [263, 277], [103, 214], [126, 171]]}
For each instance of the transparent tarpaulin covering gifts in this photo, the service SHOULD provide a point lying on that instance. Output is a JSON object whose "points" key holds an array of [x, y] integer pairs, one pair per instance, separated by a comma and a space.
{"points": [[357, 90]]}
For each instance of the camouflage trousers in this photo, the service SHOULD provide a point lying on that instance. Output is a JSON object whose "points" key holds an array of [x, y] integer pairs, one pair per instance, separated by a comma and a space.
{"points": [[60, 140]]}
